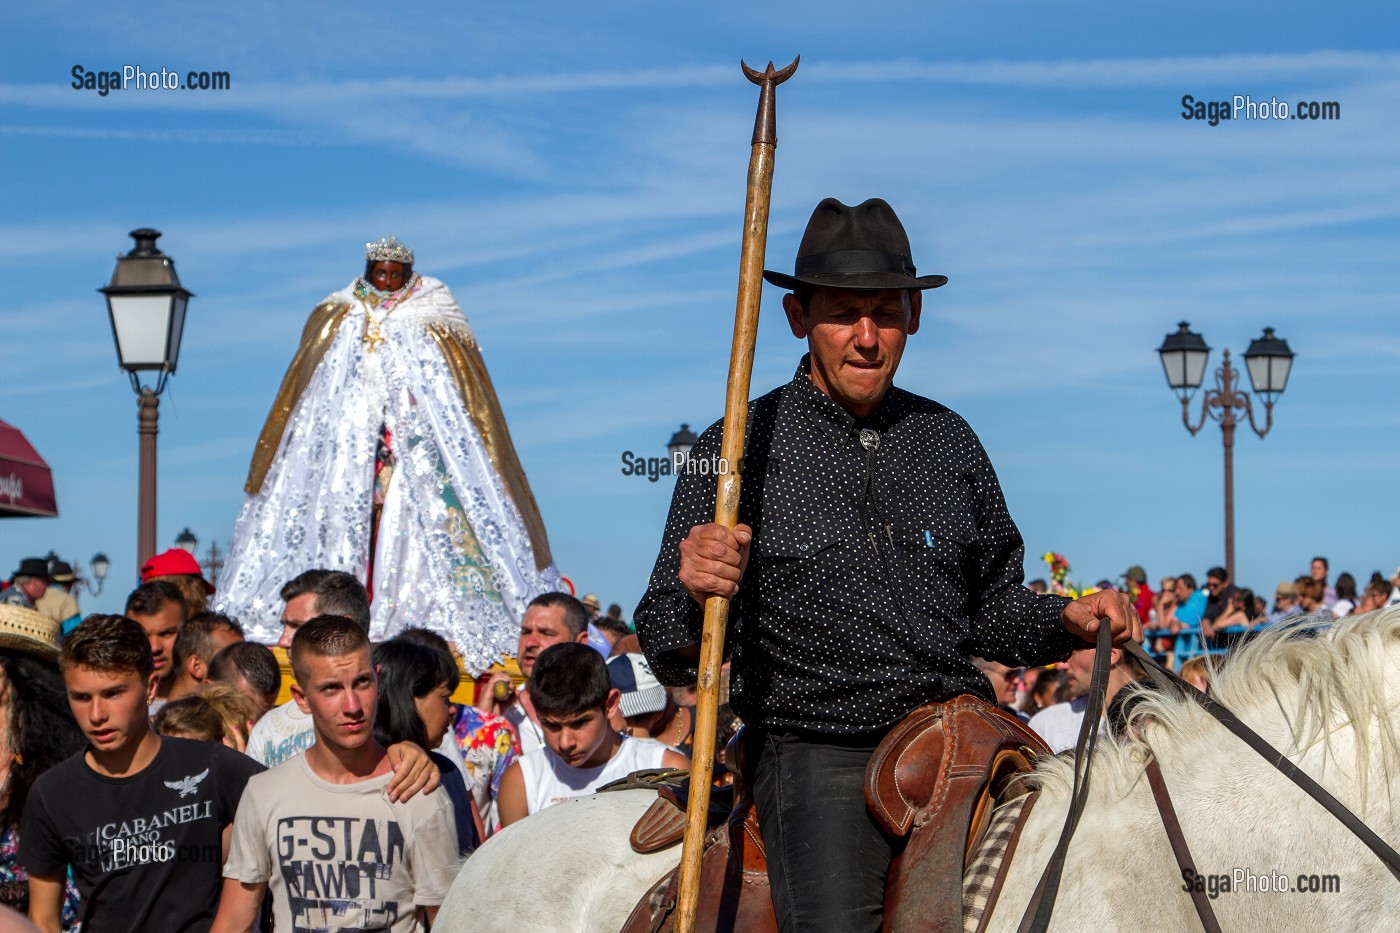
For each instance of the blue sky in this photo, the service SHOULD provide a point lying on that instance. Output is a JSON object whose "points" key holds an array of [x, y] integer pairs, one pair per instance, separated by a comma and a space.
{"points": [[576, 174]]}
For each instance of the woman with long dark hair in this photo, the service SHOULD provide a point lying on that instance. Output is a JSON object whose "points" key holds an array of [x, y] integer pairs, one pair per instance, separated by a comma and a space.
{"points": [[37, 731], [1346, 596], [416, 681]]}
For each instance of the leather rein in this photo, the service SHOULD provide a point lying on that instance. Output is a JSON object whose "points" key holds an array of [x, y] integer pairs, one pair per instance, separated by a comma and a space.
{"points": [[1037, 916]]}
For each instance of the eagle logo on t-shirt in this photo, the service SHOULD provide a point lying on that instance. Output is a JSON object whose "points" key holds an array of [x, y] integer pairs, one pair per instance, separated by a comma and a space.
{"points": [[188, 785]]}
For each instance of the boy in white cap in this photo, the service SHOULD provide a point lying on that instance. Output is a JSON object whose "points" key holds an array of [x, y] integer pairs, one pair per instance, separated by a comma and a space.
{"points": [[645, 708]]}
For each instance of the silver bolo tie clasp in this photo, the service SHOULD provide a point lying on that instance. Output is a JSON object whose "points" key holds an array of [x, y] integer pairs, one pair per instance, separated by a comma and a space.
{"points": [[870, 440]]}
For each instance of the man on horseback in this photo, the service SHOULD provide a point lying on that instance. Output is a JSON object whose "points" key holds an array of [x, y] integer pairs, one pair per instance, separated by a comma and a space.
{"points": [[874, 556]]}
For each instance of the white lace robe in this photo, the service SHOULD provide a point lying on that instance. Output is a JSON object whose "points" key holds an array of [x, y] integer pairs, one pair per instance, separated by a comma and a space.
{"points": [[452, 552]]}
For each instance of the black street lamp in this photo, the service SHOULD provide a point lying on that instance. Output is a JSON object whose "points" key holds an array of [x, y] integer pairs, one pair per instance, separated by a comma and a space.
{"points": [[146, 304], [680, 443], [1184, 355], [187, 541], [99, 573]]}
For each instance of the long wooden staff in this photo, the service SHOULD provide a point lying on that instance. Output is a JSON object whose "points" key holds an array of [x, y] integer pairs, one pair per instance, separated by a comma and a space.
{"points": [[736, 416]]}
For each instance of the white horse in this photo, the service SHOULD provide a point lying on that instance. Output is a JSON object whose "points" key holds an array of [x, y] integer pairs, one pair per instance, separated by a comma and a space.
{"points": [[563, 870], [1331, 703]]}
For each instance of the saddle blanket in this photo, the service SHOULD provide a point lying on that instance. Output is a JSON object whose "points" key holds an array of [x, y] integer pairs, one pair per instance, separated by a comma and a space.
{"points": [[982, 872]]}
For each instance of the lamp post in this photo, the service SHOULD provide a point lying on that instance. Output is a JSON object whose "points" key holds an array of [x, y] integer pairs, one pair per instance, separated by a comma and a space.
{"points": [[146, 304], [187, 541], [680, 443], [99, 573], [213, 563], [1184, 355]]}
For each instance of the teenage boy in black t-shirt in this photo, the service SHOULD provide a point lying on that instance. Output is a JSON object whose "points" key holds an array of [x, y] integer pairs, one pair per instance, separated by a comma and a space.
{"points": [[143, 820]]}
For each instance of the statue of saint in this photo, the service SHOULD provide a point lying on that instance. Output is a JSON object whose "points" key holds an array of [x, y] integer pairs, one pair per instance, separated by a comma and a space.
{"points": [[386, 455]]}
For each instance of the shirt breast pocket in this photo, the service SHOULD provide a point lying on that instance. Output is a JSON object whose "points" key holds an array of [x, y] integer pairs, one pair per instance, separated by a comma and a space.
{"points": [[935, 549], [789, 554], [793, 540]]}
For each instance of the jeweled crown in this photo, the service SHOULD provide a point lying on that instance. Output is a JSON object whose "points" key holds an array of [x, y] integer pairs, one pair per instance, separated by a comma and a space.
{"points": [[388, 249]]}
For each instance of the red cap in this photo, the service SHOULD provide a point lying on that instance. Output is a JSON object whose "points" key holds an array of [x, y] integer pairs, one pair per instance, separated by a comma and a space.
{"points": [[176, 560]]}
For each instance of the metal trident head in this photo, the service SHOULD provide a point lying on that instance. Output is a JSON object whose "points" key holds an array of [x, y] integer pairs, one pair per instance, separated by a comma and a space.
{"points": [[765, 124]]}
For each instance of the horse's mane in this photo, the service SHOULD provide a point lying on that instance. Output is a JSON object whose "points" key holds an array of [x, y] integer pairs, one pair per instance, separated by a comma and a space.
{"points": [[1296, 683]]}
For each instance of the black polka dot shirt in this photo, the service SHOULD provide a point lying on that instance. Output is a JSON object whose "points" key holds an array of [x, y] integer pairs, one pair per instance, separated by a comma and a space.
{"points": [[883, 557]]}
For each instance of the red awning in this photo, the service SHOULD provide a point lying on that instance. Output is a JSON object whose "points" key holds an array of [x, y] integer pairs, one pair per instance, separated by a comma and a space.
{"points": [[26, 485]]}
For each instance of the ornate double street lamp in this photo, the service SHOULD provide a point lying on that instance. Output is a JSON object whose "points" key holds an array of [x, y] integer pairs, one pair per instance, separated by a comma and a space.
{"points": [[147, 307], [1268, 359]]}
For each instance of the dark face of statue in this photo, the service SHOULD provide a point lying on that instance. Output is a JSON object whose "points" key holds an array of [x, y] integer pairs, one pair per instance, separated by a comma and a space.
{"points": [[387, 276]]}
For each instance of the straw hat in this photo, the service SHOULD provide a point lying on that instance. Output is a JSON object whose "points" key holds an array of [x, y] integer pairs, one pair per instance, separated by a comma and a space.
{"points": [[26, 630]]}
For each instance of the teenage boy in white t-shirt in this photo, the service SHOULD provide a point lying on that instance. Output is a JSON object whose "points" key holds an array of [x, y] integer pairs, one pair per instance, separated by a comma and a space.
{"points": [[285, 731], [574, 699], [320, 830]]}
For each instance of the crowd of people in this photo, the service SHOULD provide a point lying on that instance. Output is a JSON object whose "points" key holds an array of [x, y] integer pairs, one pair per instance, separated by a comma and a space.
{"points": [[1189, 627], [365, 789], [147, 761], [152, 780], [1221, 612]]}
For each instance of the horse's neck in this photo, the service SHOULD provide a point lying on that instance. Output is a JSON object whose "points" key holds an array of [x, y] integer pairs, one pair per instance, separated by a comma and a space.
{"points": [[1102, 845], [1240, 817]]}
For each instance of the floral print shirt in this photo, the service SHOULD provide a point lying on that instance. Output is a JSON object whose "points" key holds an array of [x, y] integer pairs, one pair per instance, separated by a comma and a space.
{"points": [[489, 746]]}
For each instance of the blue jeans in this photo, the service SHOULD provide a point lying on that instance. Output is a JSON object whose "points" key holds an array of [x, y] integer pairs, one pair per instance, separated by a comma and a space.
{"points": [[827, 858]]}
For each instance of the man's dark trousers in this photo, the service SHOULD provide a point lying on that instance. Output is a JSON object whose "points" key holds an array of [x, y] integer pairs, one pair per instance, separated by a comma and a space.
{"points": [[827, 858]]}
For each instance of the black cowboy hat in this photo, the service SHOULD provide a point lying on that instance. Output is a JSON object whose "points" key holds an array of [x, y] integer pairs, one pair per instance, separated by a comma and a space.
{"points": [[862, 247], [32, 567]]}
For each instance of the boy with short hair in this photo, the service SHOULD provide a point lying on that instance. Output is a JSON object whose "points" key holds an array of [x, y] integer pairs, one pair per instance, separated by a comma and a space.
{"points": [[252, 670], [159, 607], [286, 731], [199, 640], [320, 829], [141, 819], [574, 700]]}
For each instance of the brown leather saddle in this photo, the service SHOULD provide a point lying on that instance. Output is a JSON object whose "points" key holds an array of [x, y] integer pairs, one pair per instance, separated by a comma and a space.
{"points": [[933, 781], [734, 892]]}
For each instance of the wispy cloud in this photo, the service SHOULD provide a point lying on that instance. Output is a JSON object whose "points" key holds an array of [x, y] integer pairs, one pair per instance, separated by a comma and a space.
{"points": [[192, 136], [1069, 72], [470, 121], [16, 390], [1116, 72]]}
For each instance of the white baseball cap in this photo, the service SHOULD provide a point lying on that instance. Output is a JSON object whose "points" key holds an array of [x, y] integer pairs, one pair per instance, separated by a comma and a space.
{"points": [[641, 692]]}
